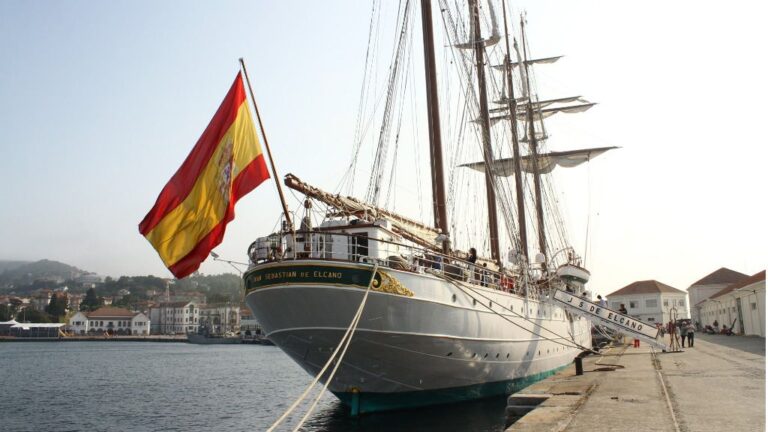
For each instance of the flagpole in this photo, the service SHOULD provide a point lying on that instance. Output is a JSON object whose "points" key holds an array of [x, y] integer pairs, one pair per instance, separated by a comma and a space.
{"points": [[269, 152]]}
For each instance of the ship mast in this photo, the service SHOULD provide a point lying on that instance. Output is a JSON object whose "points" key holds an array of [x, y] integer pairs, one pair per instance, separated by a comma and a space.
{"points": [[512, 104], [485, 122], [433, 114], [533, 147]]}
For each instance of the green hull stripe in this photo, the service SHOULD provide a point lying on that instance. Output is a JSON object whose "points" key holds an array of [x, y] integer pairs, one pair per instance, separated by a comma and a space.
{"points": [[307, 274], [373, 402]]}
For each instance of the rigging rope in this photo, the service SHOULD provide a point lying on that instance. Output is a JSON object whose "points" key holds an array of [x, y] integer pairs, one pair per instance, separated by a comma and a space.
{"points": [[489, 307]]}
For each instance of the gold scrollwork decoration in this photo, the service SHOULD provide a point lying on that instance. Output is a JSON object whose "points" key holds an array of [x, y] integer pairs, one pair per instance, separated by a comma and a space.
{"points": [[389, 284]]}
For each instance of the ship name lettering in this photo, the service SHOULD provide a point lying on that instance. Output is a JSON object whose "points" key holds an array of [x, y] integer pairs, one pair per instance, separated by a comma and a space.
{"points": [[279, 275], [327, 274]]}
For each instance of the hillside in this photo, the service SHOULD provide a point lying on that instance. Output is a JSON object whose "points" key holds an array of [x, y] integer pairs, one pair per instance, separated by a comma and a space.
{"points": [[10, 265], [43, 270]]}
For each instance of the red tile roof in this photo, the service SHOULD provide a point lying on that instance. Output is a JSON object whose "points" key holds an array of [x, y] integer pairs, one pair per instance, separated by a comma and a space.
{"points": [[646, 287], [757, 277], [720, 276]]}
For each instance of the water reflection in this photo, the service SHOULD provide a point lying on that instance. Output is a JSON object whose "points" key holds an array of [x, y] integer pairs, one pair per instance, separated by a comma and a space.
{"points": [[486, 415]]}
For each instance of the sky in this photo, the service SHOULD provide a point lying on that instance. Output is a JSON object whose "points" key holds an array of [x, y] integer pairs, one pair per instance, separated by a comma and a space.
{"points": [[100, 102]]}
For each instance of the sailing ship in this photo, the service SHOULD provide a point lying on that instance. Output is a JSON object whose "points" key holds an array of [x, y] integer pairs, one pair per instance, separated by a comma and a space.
{"points": [[441, 323]]}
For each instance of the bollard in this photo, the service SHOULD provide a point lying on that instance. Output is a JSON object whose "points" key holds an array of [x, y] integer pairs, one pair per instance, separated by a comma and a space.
{"points": [[579, 366], [355, 402]]}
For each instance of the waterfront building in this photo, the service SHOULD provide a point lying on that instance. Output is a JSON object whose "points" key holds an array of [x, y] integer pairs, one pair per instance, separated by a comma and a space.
{"points": [[174, 317], [111, 320], [650, 301], [220, 318], [40, 300], [29, 330], [740, 305], [707, 286], [74, 301]]}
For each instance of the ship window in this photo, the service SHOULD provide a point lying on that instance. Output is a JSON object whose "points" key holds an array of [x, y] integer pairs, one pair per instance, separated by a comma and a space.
{"points": [[507, 355], [358, 246], [486, 355], [449, 354], [539, 352], [474, 302], [490, 303], [453, 298], [497, 355]]}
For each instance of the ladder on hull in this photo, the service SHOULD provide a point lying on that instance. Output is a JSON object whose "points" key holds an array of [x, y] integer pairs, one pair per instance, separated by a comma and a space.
{"points": [[609, 318]]}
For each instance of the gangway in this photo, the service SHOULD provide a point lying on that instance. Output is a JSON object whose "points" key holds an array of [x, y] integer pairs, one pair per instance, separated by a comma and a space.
{"points": [[609, 318]]}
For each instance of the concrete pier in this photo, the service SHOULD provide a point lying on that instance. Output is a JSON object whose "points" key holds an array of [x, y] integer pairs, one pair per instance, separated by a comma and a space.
{"points": [[717, 385]]}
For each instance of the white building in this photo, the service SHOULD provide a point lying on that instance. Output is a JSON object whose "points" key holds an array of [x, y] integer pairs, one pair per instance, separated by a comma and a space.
{"points": [[221, 318], [740, 305], [111, 320], [650, 301], [707, 286], [174, 318]]}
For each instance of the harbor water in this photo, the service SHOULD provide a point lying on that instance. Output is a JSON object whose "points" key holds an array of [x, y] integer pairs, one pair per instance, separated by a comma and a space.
{"points": [[138, 386]]}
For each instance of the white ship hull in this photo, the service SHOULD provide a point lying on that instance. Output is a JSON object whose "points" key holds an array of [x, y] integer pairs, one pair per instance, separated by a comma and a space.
{"points": [[421, 339]]}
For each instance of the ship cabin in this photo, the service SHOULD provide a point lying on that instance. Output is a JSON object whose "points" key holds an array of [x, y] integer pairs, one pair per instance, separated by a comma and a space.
{"points": [[353, 240], [379, 241]]}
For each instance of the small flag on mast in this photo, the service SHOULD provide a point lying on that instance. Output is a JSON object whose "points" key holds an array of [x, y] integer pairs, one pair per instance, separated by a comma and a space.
{"points": [[191, 214]]}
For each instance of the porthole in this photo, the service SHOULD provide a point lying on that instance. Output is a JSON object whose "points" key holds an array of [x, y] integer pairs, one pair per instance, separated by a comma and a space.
{"points": [[507, 355], [497, 355], [449, 354], [490, 303], [474, 302], [539, 352], [453, 298], [486, 355]]}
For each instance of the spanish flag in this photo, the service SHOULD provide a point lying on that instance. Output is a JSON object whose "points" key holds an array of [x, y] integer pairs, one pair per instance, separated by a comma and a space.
{"points": [[194, 208]]}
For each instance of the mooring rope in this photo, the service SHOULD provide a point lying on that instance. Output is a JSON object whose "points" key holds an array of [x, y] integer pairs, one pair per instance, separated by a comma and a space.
{"points": [[345, 341]]}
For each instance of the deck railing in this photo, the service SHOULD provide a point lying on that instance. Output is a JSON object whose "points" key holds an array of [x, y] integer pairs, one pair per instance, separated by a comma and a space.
{"points": [[345, 247]]}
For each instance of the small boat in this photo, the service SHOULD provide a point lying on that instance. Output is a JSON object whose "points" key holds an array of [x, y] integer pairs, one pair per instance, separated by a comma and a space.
{"points": [[212, 339]]}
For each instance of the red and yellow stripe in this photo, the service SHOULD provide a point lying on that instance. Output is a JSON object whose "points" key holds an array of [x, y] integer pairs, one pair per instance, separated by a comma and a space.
{"points": [[190, 215]]}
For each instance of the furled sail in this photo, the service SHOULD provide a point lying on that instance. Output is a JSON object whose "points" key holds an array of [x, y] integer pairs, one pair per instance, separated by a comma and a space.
{"points": [[547, 161], [522, 103], [545, 60], [348, 206], [549, 112]]}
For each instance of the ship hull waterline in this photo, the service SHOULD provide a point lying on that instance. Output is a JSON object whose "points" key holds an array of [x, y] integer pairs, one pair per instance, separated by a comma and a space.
{"points": [[421, 340]]}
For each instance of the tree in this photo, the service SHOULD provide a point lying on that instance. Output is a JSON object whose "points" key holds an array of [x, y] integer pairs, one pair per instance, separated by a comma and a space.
{"points": [[57, 307], [217, 298], [91, 302], [32, 315], [7, 312]]}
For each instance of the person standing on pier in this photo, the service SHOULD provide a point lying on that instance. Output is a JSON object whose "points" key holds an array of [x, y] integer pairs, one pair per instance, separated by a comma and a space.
{"points": [[683, 333], [672, 330], [691, 328]]}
